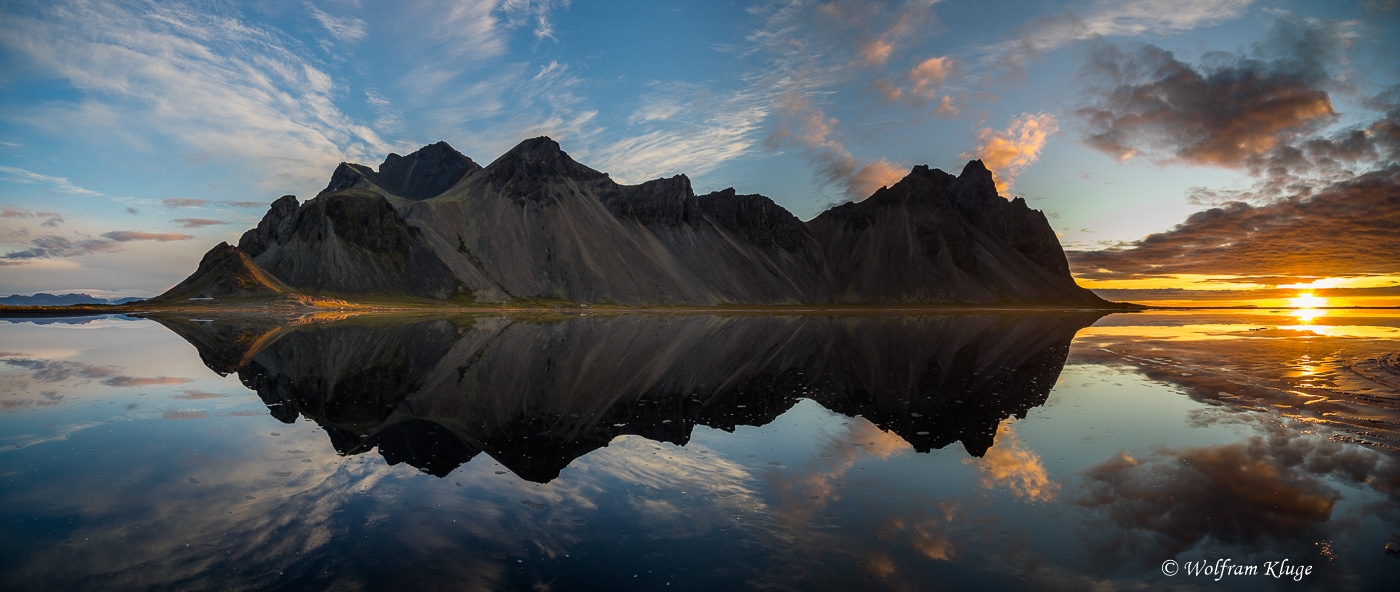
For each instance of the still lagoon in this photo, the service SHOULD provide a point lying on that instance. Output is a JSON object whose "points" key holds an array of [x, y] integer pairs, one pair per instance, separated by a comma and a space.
{"points": [[1052, 450]]}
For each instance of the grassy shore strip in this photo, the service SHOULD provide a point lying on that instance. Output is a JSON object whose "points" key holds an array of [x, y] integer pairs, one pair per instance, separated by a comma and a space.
{"points": [[557, 307]]}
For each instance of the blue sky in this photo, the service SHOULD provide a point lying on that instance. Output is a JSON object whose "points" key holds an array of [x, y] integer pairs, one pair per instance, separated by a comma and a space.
{"points": [[135, 135]]}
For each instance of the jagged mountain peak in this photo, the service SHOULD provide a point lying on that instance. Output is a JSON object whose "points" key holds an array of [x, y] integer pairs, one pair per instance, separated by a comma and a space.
{"points": [[439, 149], [423, 174], [975, 168], [535, 223], [536, 159]]}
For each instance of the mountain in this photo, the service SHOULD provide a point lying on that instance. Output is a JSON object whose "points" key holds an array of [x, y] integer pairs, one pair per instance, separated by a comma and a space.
{"points": [[225, 272], [536, 225], [933, 237], [534, 396], [46, 299]]}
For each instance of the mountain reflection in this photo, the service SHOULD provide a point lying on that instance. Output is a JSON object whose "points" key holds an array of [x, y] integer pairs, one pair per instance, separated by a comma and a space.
{"points": [[537, 393]]}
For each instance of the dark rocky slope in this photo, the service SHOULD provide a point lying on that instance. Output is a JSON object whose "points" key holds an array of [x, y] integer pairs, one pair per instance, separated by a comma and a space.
{"points": [[226, 272], [535, 224], [933, 237]]}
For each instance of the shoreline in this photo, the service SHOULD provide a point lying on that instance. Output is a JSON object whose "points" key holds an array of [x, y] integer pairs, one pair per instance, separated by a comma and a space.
{"points": [[576, 310]]}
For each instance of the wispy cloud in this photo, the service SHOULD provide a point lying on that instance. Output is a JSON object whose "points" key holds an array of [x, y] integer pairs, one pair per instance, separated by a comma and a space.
{"points": [[1105, 18], [538, 14], [180, 202], [197, 222], [50, 246], [1008, 152], [62, 370], [51, 219], [803, 125], [54, 246], [345, 29], [123, 236], [56, 184], [200, 78], [809, 50], [690, 130]]}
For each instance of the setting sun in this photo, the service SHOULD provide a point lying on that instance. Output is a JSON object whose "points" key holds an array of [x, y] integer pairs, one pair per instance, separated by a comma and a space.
{"points": [[1307, 300]]}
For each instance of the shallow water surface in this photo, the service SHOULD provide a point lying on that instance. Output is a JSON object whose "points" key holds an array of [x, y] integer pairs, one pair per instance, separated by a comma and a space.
{"points": [[802, 452]]}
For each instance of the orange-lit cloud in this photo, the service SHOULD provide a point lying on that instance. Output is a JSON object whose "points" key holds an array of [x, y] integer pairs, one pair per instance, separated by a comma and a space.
{"points": [[1349, 229], [1008, 152], [806, 126], [197, 222], [929, 74], [876, 31], [802, 494], [1012, 465], [876, 51], [122, 236]]}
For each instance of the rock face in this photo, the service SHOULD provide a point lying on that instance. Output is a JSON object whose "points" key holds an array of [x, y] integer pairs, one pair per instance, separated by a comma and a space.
{"points": [[348, 242], [426, 173], [536, 225], [933, 237], [226, 272]]}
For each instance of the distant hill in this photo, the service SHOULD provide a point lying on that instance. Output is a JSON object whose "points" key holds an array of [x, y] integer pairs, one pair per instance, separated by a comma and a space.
{"points": [[46, 299], [536, 225]]}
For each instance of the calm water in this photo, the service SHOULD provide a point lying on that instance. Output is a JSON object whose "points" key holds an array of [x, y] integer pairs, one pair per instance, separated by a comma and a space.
{"points": [[1052, 451]]}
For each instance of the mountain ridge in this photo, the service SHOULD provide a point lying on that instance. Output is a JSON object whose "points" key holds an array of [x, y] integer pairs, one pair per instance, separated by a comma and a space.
{"points": [[535, 224]]}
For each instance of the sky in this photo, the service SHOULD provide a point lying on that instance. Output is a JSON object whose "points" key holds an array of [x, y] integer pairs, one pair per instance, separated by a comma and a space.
{"points": [[1219, 151]]}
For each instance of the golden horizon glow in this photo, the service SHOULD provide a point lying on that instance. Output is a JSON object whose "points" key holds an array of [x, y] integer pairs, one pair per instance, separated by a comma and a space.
{"points": [[1307, 300], [1230, 291], [1181, 281], [1206, 282]]}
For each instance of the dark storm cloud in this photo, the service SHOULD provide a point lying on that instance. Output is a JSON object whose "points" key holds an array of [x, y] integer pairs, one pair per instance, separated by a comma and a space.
{"points": [[1348, 229], [1218, 117], [1262, 113], [1226, 112], [1264, 493]]}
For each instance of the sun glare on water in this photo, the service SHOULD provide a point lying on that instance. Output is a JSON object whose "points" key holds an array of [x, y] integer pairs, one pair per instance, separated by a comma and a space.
{"points": [[1307, 303]]}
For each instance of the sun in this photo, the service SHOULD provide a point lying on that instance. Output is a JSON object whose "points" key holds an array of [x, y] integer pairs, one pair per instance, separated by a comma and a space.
{"points": [[1307, 300]]}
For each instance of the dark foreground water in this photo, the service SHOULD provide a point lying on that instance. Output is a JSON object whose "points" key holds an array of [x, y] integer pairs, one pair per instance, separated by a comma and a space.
{"points": [[798, 452]]}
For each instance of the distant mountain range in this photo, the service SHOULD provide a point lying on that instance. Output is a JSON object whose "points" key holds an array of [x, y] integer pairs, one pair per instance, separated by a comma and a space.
{"points": [[46, 299], [537, 226]]}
